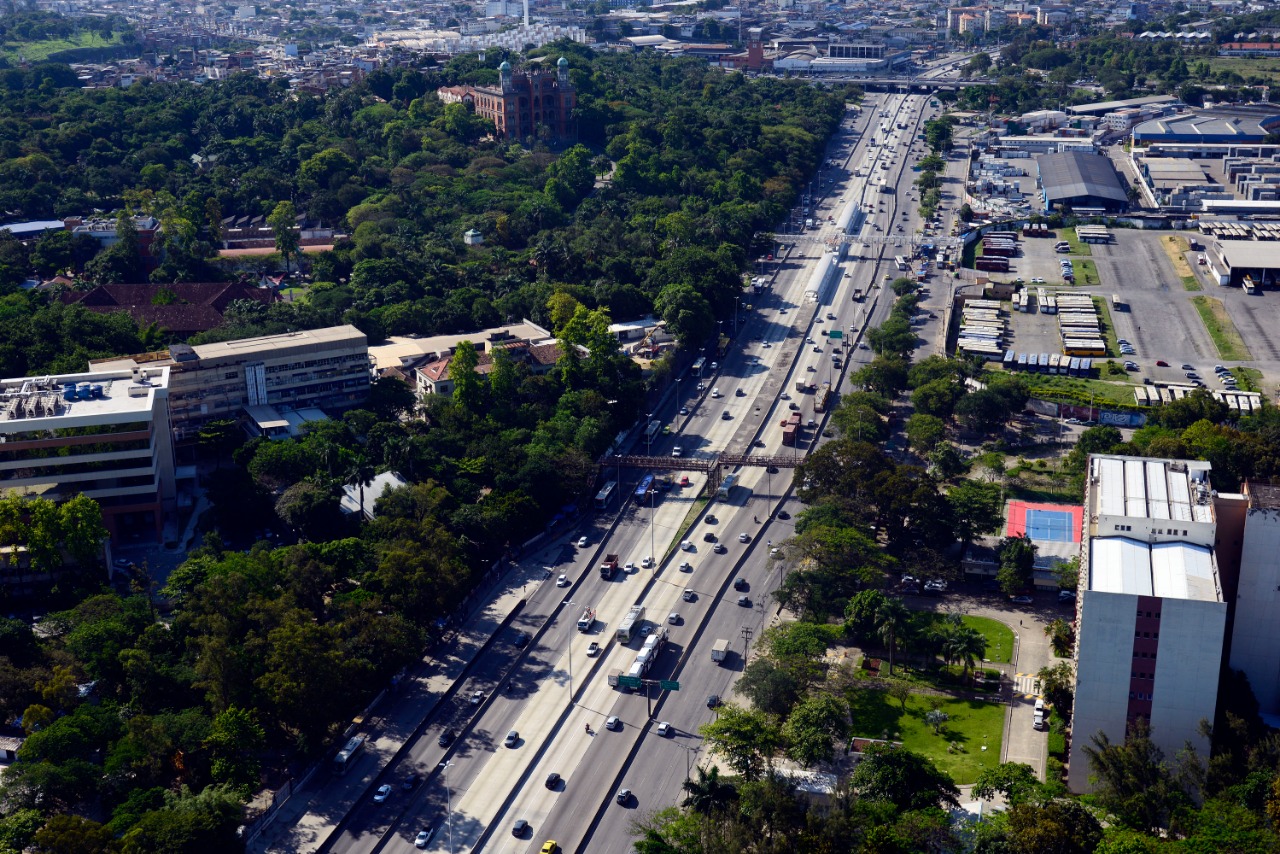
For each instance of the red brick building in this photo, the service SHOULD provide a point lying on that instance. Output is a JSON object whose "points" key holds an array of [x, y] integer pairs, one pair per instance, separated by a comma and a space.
{"points": [[523, 101]]}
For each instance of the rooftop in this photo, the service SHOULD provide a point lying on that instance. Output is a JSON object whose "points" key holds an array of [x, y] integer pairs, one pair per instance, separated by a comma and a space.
{"points": [[1262, 496], [1108, 106], [404, 350], [1142, 488], [315, 337], [1167, 570], [1075, 173], [35, 403]]}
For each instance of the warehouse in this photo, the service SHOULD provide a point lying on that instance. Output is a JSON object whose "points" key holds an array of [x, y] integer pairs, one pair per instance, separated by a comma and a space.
{"points": [[1239, 124], [1081, 181]]}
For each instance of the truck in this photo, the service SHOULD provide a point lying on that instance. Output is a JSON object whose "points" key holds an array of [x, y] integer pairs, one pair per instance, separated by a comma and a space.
{"points": [[857, 294], [631, 624], [720, 651], [587, 620], [613, 678], [808, 223], [789, 431], [609, 567], [824, 397]]}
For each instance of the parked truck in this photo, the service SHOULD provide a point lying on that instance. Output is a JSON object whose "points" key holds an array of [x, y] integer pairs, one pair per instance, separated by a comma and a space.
{"points": [[609, 567], [720, 651], [587, 620]]}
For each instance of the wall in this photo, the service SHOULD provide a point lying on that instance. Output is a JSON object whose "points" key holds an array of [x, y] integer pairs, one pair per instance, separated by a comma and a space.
{"points": [[1103, 666], [1255, 642], [1186, 683]]}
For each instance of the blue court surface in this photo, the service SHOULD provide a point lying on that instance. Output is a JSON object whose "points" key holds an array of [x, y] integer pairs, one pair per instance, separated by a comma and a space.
{"points": [[1052, 526]]}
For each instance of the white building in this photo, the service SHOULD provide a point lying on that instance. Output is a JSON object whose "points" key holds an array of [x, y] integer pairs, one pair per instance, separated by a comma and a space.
{"points": [[1151, 615], [1255, 638]]}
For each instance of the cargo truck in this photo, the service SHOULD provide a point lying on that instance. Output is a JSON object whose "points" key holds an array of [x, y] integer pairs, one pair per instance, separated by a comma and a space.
{"points": [[587, 620], [609, 567], [720, 651]]}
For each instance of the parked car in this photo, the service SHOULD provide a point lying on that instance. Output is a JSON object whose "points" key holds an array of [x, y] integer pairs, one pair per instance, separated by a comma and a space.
{"points": [[1161, 363], [1021, 600], [1066, 596]]}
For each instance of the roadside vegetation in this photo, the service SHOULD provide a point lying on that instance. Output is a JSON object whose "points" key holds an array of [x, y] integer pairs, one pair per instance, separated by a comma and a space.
{"points": [[1226, 338]]}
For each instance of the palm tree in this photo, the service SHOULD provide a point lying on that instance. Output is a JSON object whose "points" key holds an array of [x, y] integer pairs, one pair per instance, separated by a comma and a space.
{"points": [[891, 621], [969, 646], [359, 474], [708, 793]]}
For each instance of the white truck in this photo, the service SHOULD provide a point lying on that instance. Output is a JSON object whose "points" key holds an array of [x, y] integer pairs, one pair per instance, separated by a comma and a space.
{"points": [[720, 651], [587, 620]]}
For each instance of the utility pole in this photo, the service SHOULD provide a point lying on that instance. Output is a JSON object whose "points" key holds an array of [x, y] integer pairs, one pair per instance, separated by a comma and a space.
{"points": [[746, 640]]}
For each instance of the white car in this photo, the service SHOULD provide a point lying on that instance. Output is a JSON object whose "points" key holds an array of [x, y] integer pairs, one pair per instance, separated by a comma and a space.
{"points": [[664, 729], [384, 792], [582, 542], [674, 618], [424, 837], [687, 545], [685, 566], [562, 581], [647, 562], [744, 538]]}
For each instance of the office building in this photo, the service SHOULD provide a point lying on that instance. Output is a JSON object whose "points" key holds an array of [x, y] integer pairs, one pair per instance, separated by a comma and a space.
{"points": [[1151, 614], [103, 434], [270, 385]]}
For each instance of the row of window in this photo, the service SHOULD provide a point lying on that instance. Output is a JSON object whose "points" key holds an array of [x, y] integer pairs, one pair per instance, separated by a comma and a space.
{"points": [[1151, 635], [1149, 614], [1133, 674], [1140, 695]]}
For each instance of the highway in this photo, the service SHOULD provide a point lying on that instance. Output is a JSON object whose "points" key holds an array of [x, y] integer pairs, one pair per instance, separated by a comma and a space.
{"points": [[476, 788]]}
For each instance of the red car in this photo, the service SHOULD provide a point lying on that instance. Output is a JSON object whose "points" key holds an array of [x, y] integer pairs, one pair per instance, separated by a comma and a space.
{"points": [[1162, 363], [684, 481]]}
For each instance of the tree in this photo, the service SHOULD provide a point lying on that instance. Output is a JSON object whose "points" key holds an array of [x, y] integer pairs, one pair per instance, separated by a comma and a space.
{"points": [[891, 620], [967, 646], [220, 437], [907, 780], [283, 222], [1133, 781], [73, 834], [1016, 782], [1017, 558], [812, 729], [360, 473], [976, 510], [468, 385], [936, 718], [771, 686], [746, 739], [234, 742], [1056, 827], [979, 63], [707, 793], [82, 529], [924, 432], [1060, 636], [1057, 682]]}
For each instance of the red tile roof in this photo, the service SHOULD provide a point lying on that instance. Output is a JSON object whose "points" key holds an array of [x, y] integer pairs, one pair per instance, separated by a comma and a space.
{"points": [[199, 305]]}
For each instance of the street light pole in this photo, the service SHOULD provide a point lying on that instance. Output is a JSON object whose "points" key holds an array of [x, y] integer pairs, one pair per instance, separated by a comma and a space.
{"points": [[448, 796], [568, 650]]}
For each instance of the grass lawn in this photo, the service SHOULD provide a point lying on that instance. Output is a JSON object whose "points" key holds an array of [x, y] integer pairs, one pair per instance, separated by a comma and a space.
{"points": [[40, 50], [1248, 66], [1079, 389], [999, 637], [1223, 332], [973, 723], [1040, 487], [1087, 273], [1078, 247], [1108, 328], [1175, 246], [1249, 379], [293, 294]]}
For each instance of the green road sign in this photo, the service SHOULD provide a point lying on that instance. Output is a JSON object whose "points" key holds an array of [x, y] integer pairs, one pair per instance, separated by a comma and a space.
{"points": [[669, 685], [836, 334], [628, 681]]}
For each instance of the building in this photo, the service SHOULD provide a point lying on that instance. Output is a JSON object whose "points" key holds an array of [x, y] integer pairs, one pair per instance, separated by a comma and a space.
{"points": [[1080, 181], [1151, 614], [523, 102], [181, 308], [1100, 108], [1223, 125], [103, 434], [1255, 638], [259, 382], [433, 377]]}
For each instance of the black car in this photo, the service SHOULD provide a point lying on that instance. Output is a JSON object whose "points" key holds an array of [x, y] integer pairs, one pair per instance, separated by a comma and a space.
{"points": [[783, 514], [522, 640], [553, 780], [520, 828], [411, 781], [446, 738], [741, 584], [713, 701]]}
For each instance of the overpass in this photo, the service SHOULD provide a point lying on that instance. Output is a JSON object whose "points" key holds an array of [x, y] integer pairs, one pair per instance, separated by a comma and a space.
{"points": [[899, 83], [710, 465]]}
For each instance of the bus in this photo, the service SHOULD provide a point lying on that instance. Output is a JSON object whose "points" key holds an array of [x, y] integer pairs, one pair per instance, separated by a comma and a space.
{"points": [[348, 755], [605, 496], [726, 486], [996, 264], [645, 487], [1118, 303], [630, 624]]}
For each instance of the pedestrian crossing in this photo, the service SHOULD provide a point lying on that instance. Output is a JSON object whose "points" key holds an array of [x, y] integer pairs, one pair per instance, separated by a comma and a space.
{"points": [[1026, 685]]}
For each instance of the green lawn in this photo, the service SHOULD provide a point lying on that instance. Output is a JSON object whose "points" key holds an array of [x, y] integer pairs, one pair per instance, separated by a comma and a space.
{"points": [[1223, 332], [1079, 389], [1248, 66], [1042, 489], [1087, 274], [1189, 283], [39, 51], [999, 637], [1249, 379], [1077, 246], [973, 724]]}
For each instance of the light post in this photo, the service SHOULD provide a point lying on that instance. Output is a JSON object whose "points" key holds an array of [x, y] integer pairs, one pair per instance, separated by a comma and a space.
{"points": [[649, 452], [448, 797]]}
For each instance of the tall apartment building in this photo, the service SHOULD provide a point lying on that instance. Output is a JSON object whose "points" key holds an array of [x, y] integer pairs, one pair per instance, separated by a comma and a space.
{"points": [[1255, 636], [259, 381], [103, 434], [1151, 614], [523, 101]]}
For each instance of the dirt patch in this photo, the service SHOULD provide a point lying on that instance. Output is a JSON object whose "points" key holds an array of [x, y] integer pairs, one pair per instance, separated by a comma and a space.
{"points": [[1176, 247]]}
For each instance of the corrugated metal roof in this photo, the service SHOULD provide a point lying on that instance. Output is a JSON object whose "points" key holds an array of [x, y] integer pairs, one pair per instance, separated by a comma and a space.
{"points": [[1180, 497], [1157, 491], [1183, 571], [1135, 489], [1120, 565], [1071, 174], [1110, 476]]}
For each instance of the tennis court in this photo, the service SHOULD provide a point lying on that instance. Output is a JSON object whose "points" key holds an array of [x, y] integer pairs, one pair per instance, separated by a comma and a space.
{"points": [[1049, 523]]}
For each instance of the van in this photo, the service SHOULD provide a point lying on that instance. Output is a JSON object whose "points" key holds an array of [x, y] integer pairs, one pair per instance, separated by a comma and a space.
{"points": [[1038, 721], [1040, 705]]}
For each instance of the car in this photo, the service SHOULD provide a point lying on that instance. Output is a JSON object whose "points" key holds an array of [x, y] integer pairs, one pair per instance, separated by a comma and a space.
{"points": [[935, 585], [709, 537], [1191, 375], [1219, 369], [1073, 421], [783, 514], [446, 738], [1036, 280], [713, 701], [1130, 366], [424, 837], [646, 562], [552, 781], [811, 424], [1122, 340], [784, 396], [593, 649], [684, 480], [719, 548], [1188, 367], [1162, 363], [1066, 596], [808, 339], [684, 410], [744, 538], [522, 640], [384, 792], [613, 722], [715, 392], [624, 796], [629, 567], [685, 566], [476, 698], [582, 542], [122, 563], [817, 349], [1021, 600], [1037, 719], [674, 618], [775, 552], [686, 545], [689, 596], [744, 601], [863, 347], [512, 738], [520, 828], [562, 581], [741, 584], [715, 366], [549, 847]]}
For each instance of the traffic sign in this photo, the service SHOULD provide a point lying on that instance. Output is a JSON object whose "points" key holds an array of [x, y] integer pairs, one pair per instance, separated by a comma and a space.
{"points": [[629, 681], [669, 685]]}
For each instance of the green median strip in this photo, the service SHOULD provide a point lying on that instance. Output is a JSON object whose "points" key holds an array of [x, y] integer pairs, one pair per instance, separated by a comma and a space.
{"points": [[1223, 332]]}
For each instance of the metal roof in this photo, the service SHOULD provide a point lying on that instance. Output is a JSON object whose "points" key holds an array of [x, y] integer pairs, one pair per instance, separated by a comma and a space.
{"points": [[1071, 174], [1183, 571], [1120, 565]]}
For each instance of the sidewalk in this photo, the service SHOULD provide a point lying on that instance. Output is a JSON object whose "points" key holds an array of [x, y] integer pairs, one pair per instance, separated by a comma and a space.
{"points": [[310, 816]]}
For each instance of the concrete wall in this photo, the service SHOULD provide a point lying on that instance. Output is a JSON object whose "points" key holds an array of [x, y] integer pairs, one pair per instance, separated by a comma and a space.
{"points": [[1103, 667], [1255, 642], [1186, 684]]}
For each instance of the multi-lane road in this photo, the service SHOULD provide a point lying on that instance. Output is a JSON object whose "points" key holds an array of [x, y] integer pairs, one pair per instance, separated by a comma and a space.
{"points": [[475, 788]]}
